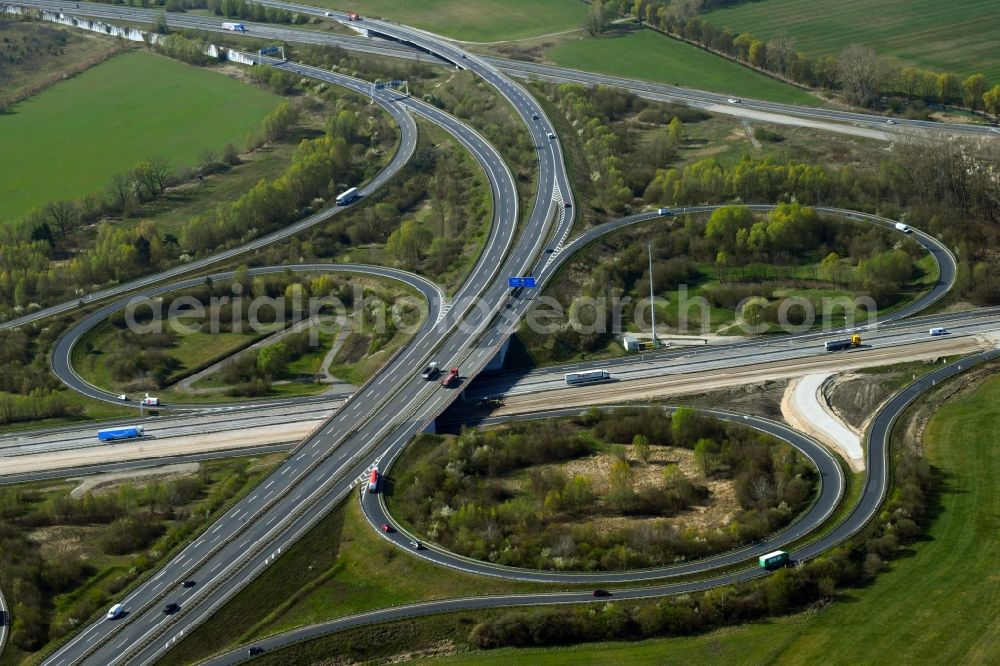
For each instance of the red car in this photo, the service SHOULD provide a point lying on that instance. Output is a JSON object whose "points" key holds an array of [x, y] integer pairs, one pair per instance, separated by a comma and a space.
{"points": [[386, 528]]}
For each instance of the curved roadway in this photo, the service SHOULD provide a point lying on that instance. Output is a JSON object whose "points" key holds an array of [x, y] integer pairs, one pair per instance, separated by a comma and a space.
{"points": [[831, 490], [386, 412], [868, 505], [379, 419]]}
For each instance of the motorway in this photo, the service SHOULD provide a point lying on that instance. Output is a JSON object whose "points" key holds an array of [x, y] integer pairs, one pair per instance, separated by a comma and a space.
{"points": [[386, 412], [873, 492], [62, 354], [382, 416], [851, 122]]}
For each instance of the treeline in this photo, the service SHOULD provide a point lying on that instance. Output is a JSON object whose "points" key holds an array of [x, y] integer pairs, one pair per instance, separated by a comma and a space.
{"points": [[28, 391], [853, 563], [856, 70], [431, 221], [146, 521], [946, 188], [458, 495], [240, 9], [607, 123]]}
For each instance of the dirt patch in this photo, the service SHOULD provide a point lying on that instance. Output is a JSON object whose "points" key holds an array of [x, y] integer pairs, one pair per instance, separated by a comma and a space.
{"points": [[353, 349], [757, 399], [61, 540], [855, 397], [717, 510], [100, 483]]}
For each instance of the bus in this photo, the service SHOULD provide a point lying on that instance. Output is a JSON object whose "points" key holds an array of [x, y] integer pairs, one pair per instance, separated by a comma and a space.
{"points": [[587, 377], [348, 197], [373, 481]]}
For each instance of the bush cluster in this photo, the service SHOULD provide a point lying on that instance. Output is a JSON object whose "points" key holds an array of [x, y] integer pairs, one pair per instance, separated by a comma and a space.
{"points": [[460, 493]]}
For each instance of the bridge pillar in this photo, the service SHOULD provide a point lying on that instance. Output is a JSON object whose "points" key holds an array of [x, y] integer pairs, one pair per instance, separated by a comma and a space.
{"points": [[496, 363]]}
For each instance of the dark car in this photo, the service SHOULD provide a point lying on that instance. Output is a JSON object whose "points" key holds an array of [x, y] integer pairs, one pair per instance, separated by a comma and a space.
{"points": [[601, 593], [254, 651], [567, 205], [171, 608], [188, 583]]}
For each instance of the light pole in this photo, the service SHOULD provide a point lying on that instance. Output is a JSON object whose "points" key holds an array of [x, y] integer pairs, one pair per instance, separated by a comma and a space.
{"points": [[652, 301]]}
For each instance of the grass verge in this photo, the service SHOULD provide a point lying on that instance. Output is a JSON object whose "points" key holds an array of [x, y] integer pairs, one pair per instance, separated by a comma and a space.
{"points": [[650, 56]]}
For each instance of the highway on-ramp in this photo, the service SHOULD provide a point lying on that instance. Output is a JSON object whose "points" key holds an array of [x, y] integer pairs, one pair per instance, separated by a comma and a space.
{"points": [[385, 412]]}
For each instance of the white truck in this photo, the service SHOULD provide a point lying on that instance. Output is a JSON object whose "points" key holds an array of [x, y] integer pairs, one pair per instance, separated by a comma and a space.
{"points": [[150, 401], [235, 27], [905, 228]]}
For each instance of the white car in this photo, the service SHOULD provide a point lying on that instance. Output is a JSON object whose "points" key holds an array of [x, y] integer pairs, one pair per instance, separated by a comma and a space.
{"points": [[733, 100], [123, 397], [115, 611], [551, 136], [890, 121]]}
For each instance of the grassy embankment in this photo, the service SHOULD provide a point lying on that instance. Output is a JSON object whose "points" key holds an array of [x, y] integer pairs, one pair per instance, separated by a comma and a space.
{"points": [[957, 36], [113, 116], [341, 567], [650, 56]]}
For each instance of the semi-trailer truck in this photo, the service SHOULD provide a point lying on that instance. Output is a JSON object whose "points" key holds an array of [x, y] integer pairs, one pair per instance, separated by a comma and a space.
{"points": [[235, 27], [845, 343], [775, 560], [347, 197], [431, 371], [450, 378], [587, 377], [123, 432]]}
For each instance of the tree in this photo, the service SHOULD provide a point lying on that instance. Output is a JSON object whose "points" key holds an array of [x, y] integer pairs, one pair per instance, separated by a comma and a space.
{"points": [[642, 448], [120, 192], [596, 20], [860, 72], [272, 360], [684, 427], [62, 214], [991, 99], [705, 451], [780, 53], [674, 130], [947, 87], [972, 90]]}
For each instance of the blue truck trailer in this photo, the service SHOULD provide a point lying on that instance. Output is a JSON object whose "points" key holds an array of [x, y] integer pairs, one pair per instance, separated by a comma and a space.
{"points": [[122, 432]]}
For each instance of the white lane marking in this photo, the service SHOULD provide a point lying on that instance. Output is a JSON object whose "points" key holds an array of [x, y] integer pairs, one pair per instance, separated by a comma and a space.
{"points": [[269, 485]]}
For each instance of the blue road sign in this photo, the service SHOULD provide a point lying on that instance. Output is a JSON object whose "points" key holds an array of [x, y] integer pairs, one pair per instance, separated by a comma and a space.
{"points": [[269, 49], [514, 282], [529, 282]]}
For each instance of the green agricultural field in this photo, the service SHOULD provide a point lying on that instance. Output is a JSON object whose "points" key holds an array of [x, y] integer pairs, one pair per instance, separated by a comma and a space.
{"points": [[645, 54], [473, 20], [958, 36], [70, 139], [940, 604]]}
